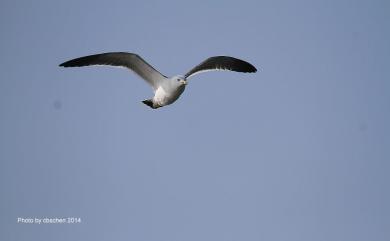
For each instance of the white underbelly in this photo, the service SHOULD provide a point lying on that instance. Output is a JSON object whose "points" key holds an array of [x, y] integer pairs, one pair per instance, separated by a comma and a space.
{"points": [[162, 97]]}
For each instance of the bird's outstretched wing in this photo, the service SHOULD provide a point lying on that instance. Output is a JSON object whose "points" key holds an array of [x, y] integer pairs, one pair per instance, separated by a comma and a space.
{"points": [[122, 59], [222, 63]]}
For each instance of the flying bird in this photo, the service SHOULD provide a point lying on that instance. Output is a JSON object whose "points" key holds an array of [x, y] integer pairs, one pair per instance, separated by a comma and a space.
{"points": [[166, 90]]}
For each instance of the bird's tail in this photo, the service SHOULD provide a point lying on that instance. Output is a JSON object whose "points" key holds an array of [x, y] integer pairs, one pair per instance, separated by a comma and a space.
{"points": [[149, 103]]}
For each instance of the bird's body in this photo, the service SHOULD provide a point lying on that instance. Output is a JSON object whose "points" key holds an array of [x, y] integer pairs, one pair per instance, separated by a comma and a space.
{"points": [[166, 90], [169, 91]]}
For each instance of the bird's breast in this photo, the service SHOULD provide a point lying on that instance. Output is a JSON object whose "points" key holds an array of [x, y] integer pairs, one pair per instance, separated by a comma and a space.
{"points": [[164, 96]]}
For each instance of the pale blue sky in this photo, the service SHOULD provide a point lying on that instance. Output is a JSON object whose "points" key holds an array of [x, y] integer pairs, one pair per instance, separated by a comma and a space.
{"points": [[298, 151]]}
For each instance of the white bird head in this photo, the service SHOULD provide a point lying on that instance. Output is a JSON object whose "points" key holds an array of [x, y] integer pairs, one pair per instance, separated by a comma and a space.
{"points": [[180, 79]]}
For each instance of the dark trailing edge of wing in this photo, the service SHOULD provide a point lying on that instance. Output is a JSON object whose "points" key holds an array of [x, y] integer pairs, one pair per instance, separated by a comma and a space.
{"points": [[128, 60], [114, 59], [223, 63]]}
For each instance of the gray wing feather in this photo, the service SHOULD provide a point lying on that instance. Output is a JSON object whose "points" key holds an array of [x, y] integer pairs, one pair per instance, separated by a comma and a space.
{"points": [[122, 59], [222, 63]]}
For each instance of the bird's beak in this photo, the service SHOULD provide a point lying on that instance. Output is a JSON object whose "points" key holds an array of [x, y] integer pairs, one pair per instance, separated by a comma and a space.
{"points": [[183, 82]]}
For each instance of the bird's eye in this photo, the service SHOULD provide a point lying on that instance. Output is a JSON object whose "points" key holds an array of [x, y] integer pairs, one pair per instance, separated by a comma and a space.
{"points": [[178, 79]]}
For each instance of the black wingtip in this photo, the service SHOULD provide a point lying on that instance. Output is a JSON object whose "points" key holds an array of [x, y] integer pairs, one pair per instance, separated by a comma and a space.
{"points": [[65, 64], [249, 68], [252, 69], [80, 62], [240, 65]]}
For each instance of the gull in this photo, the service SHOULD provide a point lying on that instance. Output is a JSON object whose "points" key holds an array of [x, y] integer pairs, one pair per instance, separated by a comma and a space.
{"points": [[166, 90]]}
